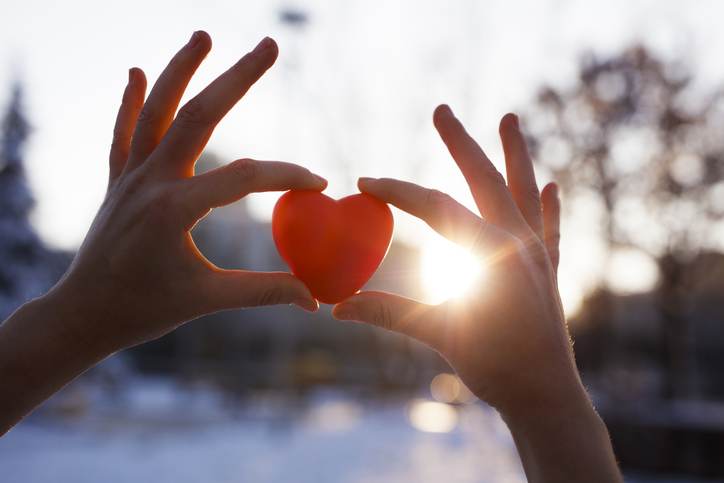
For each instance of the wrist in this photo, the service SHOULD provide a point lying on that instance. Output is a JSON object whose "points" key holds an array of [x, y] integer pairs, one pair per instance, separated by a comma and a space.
{"points": [[43, 346], [565, 440], [536, 389], [78, 321], [552, 412]]}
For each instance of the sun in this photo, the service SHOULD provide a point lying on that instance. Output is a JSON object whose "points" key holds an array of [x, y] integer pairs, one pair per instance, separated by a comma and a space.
{"points": [[448, 270]]}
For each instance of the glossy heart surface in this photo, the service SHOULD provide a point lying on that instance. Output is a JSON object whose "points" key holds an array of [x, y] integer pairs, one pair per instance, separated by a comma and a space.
{"points": [[333, 246]]}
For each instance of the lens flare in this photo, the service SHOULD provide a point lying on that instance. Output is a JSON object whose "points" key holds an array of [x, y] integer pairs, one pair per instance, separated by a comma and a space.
{"points": [[432, 417], [448, 388], [448, 270]]}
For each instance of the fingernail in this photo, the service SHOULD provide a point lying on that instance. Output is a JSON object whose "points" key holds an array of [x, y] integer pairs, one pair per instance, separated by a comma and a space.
{"points": [[319, 179], [445, 107], [194, 40], [265, 43], [516, 121], [364, 183], [133, 74], [310, 305], [554, 188]]}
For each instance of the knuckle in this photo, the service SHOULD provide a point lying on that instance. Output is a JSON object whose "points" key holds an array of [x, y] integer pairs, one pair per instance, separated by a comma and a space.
{"points": [[163, 202], [135, 183], [162, 208], [532, 195], [381, 316], [245, 169], [147, 115], [435, 200], [192, 114], [530, 254], [494, 176], [271, 296]]}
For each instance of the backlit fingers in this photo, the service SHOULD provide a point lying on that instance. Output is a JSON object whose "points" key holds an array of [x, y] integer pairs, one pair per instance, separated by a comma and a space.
{"points": [[126, 121], [160, 107], [196, 120], [445, 215], [486, 183], [520, 172], [229, 183]]}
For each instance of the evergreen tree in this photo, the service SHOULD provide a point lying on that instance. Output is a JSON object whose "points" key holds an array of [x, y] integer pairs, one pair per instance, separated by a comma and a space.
{"points": [[23, 259], [15, 198]]}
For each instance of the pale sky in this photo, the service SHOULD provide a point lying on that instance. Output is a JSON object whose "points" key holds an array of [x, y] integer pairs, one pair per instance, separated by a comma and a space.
{"points": [[351, 95]]}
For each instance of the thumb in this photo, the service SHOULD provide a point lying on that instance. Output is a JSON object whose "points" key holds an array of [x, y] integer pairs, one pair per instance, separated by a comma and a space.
{"points": [[393, 312], [240, 288]]}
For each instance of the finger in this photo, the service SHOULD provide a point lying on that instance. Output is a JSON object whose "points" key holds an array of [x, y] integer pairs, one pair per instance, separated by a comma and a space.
{"points": [[486, 183], [521, 176], [126, 121], [232, 182], [229, 289], [160, 107], [444, 215], [552, 223], [395, 313], [195, 122]]}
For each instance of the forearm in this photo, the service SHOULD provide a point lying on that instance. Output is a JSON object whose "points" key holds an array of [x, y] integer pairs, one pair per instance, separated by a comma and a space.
{"points": [[41, 349], [565, 442]]}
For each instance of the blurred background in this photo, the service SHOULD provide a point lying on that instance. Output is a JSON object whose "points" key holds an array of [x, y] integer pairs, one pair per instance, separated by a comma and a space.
{"points": [[623, 105]]}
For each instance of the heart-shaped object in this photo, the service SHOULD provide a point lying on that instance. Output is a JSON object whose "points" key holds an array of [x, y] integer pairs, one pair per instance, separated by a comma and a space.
{"points": [[333, 246]]}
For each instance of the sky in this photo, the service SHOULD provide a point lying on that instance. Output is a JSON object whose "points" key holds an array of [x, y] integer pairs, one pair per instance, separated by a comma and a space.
{"points": [[351, 95]]}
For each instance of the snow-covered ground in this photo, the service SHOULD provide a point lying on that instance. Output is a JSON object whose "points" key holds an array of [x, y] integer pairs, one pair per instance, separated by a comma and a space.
{"points": [[163, 433]]}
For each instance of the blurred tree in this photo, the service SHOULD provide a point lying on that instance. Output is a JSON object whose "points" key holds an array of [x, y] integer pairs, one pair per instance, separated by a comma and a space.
{"points": [[635, 137], [18, 243], [27, 268], [16, 197]]}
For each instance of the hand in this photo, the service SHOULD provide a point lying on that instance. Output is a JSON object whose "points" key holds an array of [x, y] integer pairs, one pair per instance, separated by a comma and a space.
{"points": [[507, 339], [138, 274]]}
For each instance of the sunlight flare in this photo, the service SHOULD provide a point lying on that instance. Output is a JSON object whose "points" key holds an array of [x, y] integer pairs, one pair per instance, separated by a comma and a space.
{"points": [[448, 270], [432, 416]]}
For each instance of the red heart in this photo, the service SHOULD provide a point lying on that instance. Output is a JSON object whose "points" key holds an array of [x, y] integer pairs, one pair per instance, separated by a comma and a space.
{"points": [[333, 246]]}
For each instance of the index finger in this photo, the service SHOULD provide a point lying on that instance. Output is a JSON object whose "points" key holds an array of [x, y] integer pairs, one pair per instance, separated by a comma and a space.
{"points": [[444, 215], [232, 182]]}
